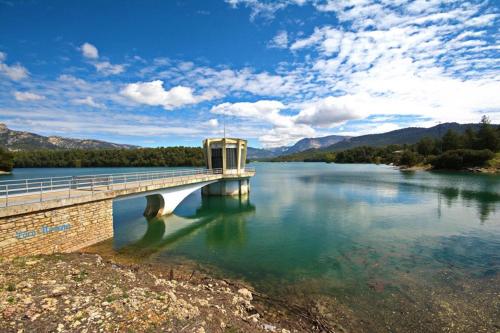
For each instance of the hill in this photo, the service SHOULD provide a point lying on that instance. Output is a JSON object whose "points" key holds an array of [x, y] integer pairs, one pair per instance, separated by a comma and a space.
{"points": [[403, 136], [300, 146], [261, 153], [316, 143], [20, 140]]}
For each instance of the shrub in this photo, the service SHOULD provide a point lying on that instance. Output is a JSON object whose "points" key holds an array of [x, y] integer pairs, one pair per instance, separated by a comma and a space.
{"points": [[408, 158], [6, 160], [462, 158]]}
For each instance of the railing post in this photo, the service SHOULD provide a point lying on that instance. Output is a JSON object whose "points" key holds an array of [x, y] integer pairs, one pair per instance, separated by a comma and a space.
{"points": [[26, 186], [92, 186], [6, 195], [41, 191]]}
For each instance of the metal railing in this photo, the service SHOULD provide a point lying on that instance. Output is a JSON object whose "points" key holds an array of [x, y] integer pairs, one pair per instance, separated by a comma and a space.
{"points": [[45, 189]]}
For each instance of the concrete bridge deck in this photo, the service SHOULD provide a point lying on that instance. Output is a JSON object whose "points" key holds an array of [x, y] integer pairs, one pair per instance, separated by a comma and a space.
{"points": [[31, 195]]}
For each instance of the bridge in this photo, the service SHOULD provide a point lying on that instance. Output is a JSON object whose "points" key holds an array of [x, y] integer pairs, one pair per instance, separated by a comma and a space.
{"points": [[40, 193], [63, 214]]}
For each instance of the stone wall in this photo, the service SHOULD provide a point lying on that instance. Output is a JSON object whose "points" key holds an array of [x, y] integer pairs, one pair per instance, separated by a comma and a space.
{"points": [[63, 229]]}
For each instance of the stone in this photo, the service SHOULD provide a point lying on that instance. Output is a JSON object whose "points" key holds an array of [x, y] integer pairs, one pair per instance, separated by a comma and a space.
{"points": [[247, 295]]}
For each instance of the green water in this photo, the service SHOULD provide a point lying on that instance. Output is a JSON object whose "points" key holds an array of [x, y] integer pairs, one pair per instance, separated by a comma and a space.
{"points": [[390, 250]]}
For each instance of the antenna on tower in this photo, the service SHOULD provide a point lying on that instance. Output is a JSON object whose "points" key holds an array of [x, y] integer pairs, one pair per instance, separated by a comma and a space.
{"points": [[224, 125]]}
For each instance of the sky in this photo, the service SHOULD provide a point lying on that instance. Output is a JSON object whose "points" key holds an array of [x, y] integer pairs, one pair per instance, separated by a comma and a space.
{"points": [[164, 73]]}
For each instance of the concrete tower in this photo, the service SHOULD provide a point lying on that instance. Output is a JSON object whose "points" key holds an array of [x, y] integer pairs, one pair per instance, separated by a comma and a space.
{"points": [[228, 157]]}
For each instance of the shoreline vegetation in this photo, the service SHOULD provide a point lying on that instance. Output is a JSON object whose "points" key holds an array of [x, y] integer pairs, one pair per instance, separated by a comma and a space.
{"points": [[473, 151], [476, 151], [80, 158]]}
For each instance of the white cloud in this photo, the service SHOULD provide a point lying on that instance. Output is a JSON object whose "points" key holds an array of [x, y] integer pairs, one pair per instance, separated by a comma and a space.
{"points": [[259, 8], [245, 80], [285, 130], [24, 96], [89, 51], [213, 122], [264, 110], [327, 112], [15, 72], [106, 68], [279, 41], [89, 101], [153, 93]]}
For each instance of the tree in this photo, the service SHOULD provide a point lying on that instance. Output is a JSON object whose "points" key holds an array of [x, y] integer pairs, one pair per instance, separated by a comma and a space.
{"points": [[426, 146], [408, 158], [462, 158], [6, 160], [451, 140], [487, 136], [470, 138]]}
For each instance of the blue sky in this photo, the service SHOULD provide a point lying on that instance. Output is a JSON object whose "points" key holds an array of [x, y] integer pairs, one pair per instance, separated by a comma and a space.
{"points": [[161, 73]]}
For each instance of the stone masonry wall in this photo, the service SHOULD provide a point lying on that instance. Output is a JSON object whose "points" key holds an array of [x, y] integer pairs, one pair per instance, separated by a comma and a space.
{"points": [[63, 229]]}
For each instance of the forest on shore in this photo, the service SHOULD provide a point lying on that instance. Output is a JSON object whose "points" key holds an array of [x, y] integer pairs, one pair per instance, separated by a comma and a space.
{"points": [[76, 158], [473, 148]]}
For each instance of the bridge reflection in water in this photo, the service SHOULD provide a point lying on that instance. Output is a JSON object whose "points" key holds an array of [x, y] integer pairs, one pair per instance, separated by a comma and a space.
{"points": [[229, 214]]}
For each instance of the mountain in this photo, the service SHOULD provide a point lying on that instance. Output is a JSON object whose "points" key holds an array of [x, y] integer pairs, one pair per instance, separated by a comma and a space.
{"points": [[19, 140], [316, 143], [257, 153], [408, 135], [299, 146]]}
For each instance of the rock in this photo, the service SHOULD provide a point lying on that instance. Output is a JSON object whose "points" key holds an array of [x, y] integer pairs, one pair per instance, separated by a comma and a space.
{"points": [[58, 291], [49, 303], [24, 286], [200, 330], [245, 293], [269, 328], [254, 317]]}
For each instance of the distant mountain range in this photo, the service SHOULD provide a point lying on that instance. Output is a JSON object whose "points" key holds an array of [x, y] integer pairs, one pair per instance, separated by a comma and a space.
{"points": [[408, 135], [301, 145], [19, 140]]}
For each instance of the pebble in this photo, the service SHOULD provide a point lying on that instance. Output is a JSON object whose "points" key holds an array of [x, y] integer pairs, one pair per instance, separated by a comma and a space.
{"points": [[245, 293]]}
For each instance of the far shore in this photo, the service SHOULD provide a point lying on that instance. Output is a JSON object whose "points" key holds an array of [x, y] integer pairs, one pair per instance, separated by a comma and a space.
{"points": [[428, 167]]}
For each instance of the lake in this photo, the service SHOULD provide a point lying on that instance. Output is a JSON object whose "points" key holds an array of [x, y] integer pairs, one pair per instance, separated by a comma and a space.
{"points": [[374, 248]]}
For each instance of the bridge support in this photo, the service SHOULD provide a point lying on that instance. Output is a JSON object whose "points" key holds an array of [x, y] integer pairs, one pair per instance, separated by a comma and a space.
{"points": [[55, 229], [165, 201], [231, 187]]}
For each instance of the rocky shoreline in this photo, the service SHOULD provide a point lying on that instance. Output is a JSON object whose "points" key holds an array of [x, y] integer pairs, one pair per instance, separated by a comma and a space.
{"points": [[82, 292], [428, 167]]}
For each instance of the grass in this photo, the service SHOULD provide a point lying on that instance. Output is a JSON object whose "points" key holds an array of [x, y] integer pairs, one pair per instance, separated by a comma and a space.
{"points": [[80, 277], [494, 162], [11, 287]]}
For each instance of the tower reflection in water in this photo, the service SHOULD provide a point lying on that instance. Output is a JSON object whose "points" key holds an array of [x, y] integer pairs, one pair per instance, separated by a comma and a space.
{"points": [[222, 219]]}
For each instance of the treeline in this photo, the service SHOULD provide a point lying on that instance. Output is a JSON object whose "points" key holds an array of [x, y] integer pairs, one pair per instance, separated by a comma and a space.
{"points": [[142, 157], [6, 160], [310, 155], [452, 151]]}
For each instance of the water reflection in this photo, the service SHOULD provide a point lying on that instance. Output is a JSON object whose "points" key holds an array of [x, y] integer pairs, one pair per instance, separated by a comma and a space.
{"points": [[227, 213], [403, 188]]}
